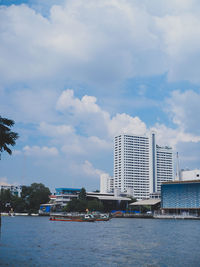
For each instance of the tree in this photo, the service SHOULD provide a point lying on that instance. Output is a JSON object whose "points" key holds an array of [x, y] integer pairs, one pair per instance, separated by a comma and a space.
{"points": [[35, 195], [95, 205], [78, 205], [82, 194], [7, 137], [5, 200], [9, 201]]}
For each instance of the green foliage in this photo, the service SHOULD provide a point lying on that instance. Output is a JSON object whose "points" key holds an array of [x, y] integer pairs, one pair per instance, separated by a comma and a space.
{"points": [[5, 200], [79, 205], [95, 205], [8, 201], [76, 205], [7, 137], [30, 200], [35, 195], [18, 204], [82, 194]]}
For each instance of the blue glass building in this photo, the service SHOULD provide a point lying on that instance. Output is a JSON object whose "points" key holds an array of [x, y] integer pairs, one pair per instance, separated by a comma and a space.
{"points": [[181, 196]]}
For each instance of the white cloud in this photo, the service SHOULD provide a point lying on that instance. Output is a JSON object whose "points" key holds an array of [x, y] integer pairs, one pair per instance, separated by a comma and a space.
{"points": [[95, 120], [124, 123], [40, 151], [183, 107], [55, 130], [172, 137], [74, 43], [89, 170], [86, 105]]}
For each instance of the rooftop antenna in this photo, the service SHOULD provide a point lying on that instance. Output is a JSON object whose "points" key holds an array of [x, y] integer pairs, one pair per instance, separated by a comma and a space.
{"points": [[178, 177]]}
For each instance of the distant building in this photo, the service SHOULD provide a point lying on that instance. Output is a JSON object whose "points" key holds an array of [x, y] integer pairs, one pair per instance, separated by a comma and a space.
{"points": [[164, 166], [64, 195], [14, 189], [181, 197], [141, 165], [59, 200], [186, 175], [106, 183], [110, 201]]}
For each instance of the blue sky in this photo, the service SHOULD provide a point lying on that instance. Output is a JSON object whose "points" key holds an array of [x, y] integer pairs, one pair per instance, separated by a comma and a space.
{"points": [[75, 73]]}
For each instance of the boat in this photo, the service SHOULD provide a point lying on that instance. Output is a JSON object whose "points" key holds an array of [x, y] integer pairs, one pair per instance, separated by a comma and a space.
{"points": [[102, 217], [73, 218]]}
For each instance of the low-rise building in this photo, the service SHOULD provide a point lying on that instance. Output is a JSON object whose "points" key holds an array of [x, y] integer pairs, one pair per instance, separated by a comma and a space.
{"points": [[181, 197], [188, 175], [59, 200], [64, 195], [14, 189]]}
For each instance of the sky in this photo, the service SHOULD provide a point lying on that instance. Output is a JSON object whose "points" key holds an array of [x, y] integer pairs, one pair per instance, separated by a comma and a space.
{"points": [[73, 74]]}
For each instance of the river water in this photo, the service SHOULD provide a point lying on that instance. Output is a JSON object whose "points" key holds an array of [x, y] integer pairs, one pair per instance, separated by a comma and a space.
{"points": [[36, 241]]}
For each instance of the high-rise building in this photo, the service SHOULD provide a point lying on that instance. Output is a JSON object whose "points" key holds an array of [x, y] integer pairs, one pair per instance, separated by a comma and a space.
{"points": [[141, 165], [164, 166]]}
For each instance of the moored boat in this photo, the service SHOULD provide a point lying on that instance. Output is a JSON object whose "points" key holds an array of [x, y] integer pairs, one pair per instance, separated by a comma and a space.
{"points": [[73, 218]]}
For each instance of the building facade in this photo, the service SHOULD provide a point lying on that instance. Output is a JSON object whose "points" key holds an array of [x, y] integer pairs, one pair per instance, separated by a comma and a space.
{"points": [[141, 165], [181, 197], [188, 175], [164, 166], [106, 183], [64, 195]]}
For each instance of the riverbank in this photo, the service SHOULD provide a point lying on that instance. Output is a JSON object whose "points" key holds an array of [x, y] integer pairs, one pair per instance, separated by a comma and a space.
{"points": [[18, 214], [177, 217], [151, 216]]}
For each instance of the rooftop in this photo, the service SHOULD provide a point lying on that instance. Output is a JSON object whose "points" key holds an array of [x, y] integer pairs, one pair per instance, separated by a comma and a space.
{"points": [[67, 189], [148, 202], [109, 197], [182, 182]]}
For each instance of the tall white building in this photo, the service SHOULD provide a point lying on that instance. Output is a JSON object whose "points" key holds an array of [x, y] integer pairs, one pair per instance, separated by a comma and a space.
{"points": [[164, 166], [141, 165]]}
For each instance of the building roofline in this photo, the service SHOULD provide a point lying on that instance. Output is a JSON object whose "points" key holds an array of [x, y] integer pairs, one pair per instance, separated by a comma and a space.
{"points": [[182, 182], [69, 189]]}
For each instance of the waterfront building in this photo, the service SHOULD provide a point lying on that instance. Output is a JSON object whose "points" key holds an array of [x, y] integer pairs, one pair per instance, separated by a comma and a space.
{"points": [[110, 201], [59, 200], [64, 195], [181, 197], [152, 204], [14, 189], [141, 165]]}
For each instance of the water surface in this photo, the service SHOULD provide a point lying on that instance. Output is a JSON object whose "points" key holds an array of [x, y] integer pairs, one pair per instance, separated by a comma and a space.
{"points": [[36, 241]]}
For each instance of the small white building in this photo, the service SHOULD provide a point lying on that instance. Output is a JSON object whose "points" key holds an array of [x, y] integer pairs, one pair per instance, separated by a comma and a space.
{"points": [[106, 183], [188, 175], [14, 189]]}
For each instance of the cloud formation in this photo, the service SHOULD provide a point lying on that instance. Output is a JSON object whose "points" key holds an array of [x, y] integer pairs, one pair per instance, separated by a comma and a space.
{"points": [[40, 151], [134, 39], [71, 46]]}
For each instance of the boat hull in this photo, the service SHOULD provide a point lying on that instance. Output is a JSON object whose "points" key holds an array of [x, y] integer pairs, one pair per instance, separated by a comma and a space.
{"points": [[72, 219]]}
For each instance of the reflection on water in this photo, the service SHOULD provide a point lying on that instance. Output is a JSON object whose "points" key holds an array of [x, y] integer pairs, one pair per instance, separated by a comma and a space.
{"points": [[36, 241]]}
